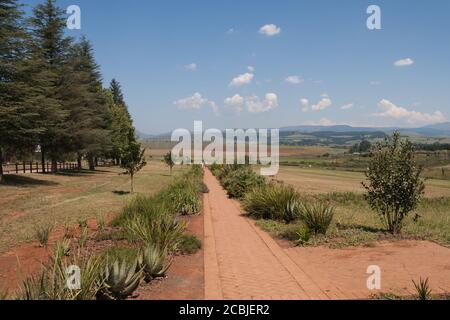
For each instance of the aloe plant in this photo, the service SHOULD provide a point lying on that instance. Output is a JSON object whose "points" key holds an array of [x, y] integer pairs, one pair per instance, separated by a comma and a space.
{"points": [[121, 279], [153, 262], [423, 289]]}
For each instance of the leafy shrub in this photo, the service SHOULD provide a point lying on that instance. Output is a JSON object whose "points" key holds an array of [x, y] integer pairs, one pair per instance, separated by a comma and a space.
{"points": [[272, 201], [317, 217], [152, 260], [239, 181], [203, 188], [182, 197], [304, 234], [395, 187], [189, 244], [164, 232], [43, 234]]}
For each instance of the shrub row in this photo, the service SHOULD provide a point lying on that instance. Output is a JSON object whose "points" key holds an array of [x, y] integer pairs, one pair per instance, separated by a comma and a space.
{"points": [[238, 179]]}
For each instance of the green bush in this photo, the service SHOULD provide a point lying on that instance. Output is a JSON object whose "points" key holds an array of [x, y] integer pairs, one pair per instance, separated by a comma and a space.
{"points": [[395, 187], [182, 197], [317, 217], [189, 244], [304, 234], [240, 181], [273, 201]]}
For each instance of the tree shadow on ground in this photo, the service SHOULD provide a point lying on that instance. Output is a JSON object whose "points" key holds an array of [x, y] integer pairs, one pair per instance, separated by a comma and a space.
{"points": [[121, 192], [25, 181]]}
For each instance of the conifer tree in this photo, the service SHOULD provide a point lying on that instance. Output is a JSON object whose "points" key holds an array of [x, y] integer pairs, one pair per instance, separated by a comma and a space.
{"points": [[50, 73], [18, 125]]}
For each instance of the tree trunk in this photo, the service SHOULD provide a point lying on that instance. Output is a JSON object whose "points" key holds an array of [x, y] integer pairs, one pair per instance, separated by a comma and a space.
{"points": [[80, 166], [44, 170], [132, 183], [171, 170], [54, 166], [91, 163]]}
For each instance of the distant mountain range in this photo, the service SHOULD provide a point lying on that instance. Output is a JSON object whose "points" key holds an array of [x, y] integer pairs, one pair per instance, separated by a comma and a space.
{"points": [[436, 130]]}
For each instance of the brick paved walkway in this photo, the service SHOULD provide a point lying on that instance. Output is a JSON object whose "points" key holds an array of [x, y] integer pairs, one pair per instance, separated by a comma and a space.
{"points": [[242, 262]]}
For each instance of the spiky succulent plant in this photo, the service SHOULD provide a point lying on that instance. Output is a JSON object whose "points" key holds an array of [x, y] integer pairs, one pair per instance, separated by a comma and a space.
{"points": [[121, 279], [153, 262]]}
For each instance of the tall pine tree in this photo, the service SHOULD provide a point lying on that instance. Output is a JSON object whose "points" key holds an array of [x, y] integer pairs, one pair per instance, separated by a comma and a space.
{"points": [[18, 119], [85, 98], [50, 71]]}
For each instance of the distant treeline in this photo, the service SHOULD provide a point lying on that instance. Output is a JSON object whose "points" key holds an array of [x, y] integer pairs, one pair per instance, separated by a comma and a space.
{"points": [[51, 93], [432, 146]]}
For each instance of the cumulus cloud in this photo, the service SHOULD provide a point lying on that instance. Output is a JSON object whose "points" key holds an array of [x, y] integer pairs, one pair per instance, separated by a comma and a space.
{"points": [[347, 106], [304, 104], [270, 30], [404, 62], [235, 103], [323, 104], [413, 117], [251, 69], [191, 67], [242, 80], [294, 80], [256, 105], [196, 102]]}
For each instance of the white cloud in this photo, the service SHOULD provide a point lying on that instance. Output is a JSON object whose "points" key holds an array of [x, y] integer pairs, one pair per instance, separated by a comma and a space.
{"points": [[321, 122], [270, 30], [196, 102], [231, 31], [294, 80], [255, 105], [412, 117], [347, 106], [404, 62], [235, 102], [323, 104], [251, 69], [242, 80], [191, 67], [304, 104]]}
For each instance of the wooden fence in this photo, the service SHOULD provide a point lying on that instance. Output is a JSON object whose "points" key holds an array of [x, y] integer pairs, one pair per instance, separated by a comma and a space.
{"points": [[36, 167]]}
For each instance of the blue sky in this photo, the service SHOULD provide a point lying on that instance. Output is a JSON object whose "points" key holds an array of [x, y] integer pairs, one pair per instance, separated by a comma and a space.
{"points": [[316, 62]]}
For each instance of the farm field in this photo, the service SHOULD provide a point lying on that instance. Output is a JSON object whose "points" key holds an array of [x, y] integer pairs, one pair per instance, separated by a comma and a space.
{"points": [[320, 181], [32, 200]]}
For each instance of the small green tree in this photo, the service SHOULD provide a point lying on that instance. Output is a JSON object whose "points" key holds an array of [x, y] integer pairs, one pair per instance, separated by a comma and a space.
{"points": [[133, 160], [394, 187], [168, 161]]}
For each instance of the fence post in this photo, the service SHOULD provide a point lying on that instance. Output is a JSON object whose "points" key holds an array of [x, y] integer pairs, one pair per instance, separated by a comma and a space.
{"points": [[37, 167], [17, 168]]}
